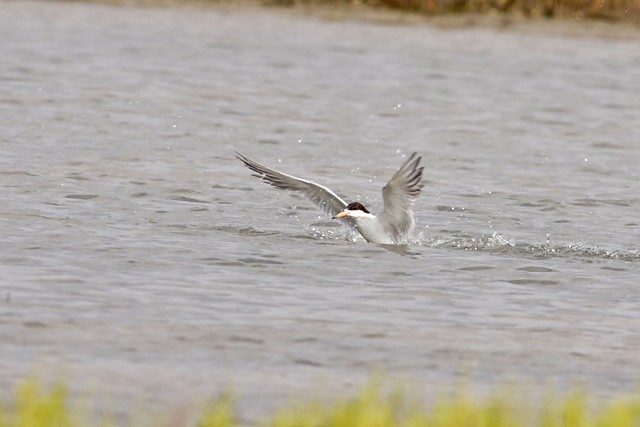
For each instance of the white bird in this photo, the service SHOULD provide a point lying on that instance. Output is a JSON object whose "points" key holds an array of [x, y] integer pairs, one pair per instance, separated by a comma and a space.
{"points": [[391, 226]]}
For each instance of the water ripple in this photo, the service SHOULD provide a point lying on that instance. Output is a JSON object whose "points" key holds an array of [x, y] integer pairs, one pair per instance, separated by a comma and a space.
{"points": [[499, 244]]}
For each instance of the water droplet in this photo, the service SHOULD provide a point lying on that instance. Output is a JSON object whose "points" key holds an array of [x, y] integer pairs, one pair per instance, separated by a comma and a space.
{"points": [[174, 125]]}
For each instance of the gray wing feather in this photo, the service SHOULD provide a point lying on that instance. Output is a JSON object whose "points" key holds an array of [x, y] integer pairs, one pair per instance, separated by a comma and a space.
{"points": [[398, 197], [321, 196]]}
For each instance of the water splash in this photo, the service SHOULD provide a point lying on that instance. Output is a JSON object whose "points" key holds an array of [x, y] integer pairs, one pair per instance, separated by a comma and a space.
{"points": [[500, 244], [333, 233], [495, 243]]}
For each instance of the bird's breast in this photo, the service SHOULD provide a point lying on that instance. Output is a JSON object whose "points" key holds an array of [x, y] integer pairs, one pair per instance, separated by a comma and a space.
{"points": [[373, 231]]}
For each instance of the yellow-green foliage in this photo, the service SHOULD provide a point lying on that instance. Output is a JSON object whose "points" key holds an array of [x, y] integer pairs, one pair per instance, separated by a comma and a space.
{"points": [[219, 413], [463, 410], [34, 406], [366, 409], [371, 408]]}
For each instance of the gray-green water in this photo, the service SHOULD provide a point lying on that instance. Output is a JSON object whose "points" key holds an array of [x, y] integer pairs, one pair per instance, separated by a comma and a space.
{"points": [[140, 258]]}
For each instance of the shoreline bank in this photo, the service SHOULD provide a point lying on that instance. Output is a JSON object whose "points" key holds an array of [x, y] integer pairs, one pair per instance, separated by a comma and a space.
{"points": [[577, 25]]}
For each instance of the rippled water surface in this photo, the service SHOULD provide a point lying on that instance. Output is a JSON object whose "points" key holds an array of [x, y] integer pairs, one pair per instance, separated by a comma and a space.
{"points": [[143, 260]]}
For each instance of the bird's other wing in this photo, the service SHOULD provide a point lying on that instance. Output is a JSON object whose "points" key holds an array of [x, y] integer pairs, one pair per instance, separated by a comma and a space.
{"points": [[321, 196], [398, 197]]}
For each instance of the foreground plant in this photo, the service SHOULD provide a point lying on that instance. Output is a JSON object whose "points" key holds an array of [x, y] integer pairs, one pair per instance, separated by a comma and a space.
{"points": [[35, 406]]}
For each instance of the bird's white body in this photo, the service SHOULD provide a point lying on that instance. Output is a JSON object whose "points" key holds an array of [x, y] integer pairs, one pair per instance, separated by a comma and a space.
{"points": [[371, 228], [391, 227]]}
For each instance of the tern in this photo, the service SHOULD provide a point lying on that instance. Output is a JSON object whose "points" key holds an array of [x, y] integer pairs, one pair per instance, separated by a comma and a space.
{"points": [[390, 227]]}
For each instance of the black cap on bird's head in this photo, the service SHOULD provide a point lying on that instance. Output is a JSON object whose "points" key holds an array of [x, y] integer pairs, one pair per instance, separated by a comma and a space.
{"points": [[351, 207], [355, 206]]}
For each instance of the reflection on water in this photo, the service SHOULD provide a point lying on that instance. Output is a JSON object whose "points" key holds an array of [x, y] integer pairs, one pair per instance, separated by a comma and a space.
{"points": [[141, 257]]}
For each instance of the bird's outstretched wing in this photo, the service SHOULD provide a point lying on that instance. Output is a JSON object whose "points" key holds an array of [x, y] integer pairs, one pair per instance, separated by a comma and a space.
{"points": [[321, 196], [398, 197]]}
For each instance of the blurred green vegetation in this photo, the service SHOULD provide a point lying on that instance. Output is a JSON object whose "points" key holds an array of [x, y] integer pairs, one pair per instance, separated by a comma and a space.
{"points": [[36, 406]]}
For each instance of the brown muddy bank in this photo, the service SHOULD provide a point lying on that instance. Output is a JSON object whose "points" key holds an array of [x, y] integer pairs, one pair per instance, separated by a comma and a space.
{"points": [[571, 9], [615, 19]]}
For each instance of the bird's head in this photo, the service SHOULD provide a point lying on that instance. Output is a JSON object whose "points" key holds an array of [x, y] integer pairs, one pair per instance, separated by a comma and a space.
{"points": [[353, 210]]}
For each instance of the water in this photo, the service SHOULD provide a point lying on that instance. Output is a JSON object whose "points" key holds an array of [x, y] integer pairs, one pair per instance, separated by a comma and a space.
{"points": [[143, 261]]}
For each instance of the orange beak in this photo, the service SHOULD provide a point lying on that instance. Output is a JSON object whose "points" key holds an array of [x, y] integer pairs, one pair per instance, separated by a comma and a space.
{"points": [[341, 214]]}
